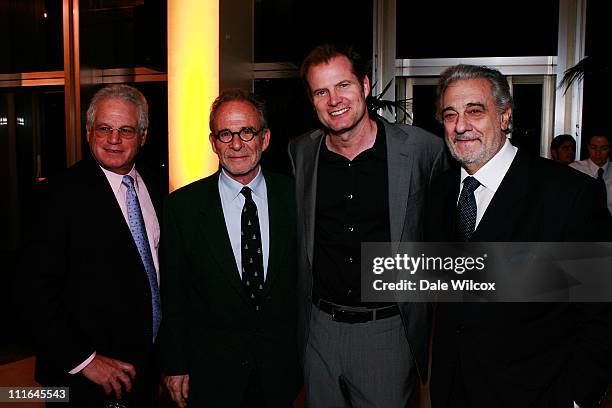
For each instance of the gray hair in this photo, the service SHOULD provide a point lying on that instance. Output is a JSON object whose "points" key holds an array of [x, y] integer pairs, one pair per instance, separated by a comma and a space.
{"points": [[128, 94], [499, 87], [236, 94]]}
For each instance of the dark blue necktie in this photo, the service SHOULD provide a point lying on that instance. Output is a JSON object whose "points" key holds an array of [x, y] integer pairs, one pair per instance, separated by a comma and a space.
{"points": [[251, 250], [139, 233], [602, 182], [600, 172], [466, 209]]}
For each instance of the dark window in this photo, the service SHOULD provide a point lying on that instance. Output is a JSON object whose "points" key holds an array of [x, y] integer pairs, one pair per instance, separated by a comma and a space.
{"points": [[289, 115], [424, 109], [527, 117], [286, 30], [31, 33], [123, 34], [431, 29], [597, 86]]}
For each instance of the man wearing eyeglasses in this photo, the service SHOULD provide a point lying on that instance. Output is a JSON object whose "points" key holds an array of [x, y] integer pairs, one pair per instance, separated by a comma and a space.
{"points": [[229, 266], [94, 283]]}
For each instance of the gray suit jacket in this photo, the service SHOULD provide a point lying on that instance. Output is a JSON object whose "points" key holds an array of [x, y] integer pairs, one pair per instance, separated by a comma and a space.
{"points": [[414, 157]]}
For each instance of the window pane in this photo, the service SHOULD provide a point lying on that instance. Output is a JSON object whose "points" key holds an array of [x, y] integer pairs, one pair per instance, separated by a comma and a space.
{"points": [[430, 29], [424, 109], [285, 30], [289, 115], [527, 117], [123, 34], [32, 36], [596, 83], [32, 141]]}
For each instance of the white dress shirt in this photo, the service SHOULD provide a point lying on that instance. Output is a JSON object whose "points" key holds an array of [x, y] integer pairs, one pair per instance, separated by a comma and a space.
{"points": [[150, 218], [588, 167], [232, 202], [490, 177]]}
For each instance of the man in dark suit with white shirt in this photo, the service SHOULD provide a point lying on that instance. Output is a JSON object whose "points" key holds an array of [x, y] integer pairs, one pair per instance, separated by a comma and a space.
{"points": [[597, 165], [93, 281], [228, 283], [511, 354]]}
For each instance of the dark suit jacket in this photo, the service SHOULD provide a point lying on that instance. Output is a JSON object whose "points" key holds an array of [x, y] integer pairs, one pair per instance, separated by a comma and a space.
{"points": [[87, 287], [414, 156], [522, 354], [209, 329]]}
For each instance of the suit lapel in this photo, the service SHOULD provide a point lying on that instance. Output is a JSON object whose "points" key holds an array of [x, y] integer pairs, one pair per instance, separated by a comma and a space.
{"points": [[278, 231], [443, 212], [310, 188], [506, 209], [214, 233], [400, 159], [101, 195]]}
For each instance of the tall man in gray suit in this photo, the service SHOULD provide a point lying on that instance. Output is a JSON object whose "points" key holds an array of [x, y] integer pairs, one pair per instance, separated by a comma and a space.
{"points": [[358, 179]]}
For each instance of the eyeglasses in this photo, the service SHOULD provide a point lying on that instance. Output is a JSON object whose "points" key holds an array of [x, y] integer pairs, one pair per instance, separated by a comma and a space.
{"points": [[245, 134], [126, 132]]}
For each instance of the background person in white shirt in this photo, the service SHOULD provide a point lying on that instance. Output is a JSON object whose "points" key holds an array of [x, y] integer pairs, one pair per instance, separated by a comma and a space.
{"points": [[598, 163]]}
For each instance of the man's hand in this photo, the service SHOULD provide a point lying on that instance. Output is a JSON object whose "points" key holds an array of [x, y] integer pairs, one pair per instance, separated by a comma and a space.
{"points": [[178, 386], [110, 374]]}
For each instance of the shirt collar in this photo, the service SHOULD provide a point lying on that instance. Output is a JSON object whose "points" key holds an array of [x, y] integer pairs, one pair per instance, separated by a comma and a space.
{"points": [[595, 167], [492, 173], [234, 187], [378, 149], [116, 180]]}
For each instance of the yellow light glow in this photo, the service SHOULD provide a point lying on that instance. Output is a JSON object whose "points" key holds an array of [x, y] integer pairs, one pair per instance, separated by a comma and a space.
{"points": [[193, 84]]}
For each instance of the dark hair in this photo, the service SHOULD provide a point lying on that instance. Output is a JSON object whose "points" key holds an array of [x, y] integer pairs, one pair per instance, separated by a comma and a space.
{"points": [[499, 86], [127, 93], [560, 139], [598, 134], [236, 94], [325, 52]]}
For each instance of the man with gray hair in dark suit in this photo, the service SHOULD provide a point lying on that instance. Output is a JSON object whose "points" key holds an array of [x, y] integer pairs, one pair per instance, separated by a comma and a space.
{"points": [[358, 179], [94, 282]]}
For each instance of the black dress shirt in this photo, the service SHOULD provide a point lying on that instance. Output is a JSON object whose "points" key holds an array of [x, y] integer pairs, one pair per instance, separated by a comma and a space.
{"points": [[352, 207]]}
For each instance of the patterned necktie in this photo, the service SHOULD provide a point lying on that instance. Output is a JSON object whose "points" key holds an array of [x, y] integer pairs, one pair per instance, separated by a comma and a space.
{"points": [[251, 250], [139, 233], [466, 209]]}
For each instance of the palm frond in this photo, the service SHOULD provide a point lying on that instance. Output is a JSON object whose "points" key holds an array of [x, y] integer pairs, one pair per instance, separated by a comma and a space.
{"points": [[377, 102], [588, 67]]}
